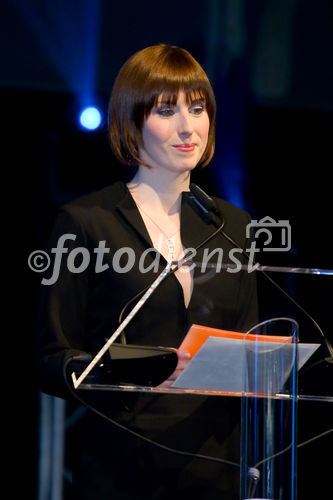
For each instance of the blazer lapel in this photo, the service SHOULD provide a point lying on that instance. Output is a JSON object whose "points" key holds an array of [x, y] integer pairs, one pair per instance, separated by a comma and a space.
{"points": [[130, 212]]}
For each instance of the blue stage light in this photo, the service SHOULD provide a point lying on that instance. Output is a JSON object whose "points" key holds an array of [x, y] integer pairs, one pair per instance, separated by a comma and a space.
{"points": [[90, 118]]}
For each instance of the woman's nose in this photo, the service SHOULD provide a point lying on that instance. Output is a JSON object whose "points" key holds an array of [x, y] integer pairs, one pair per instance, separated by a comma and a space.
{"points": [[185, 125]]}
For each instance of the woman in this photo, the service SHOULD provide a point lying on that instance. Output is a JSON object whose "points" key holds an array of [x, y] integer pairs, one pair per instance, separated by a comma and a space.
{"points": [[162, 113]]}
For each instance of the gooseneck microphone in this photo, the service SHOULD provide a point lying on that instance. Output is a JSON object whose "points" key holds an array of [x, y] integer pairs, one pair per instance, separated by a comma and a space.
{"points": [[253, 475], [203, 200], [209, 205]]}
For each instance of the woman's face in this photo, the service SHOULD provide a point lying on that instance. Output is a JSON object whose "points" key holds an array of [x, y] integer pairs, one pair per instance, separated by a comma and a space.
{"points": [[175, 136]]}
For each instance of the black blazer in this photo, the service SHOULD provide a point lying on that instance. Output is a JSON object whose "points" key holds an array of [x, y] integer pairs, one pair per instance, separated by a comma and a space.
{"points": [[82, 309]]}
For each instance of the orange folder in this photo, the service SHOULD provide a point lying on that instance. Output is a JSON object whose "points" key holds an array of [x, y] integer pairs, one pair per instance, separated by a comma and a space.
{"points": [[198, 334]]}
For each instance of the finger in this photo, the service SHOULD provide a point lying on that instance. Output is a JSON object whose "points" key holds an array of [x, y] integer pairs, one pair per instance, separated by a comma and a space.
{"points": [[183, 360], [169, 381], [182, 364], [183, 355]]}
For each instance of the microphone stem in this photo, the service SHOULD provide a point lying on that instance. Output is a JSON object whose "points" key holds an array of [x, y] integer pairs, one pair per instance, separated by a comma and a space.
{"points": [[169, 267]]}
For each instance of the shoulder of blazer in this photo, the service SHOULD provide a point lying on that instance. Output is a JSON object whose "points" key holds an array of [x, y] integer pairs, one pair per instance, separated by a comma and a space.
{"points": [[110, 205], [106, 198]]}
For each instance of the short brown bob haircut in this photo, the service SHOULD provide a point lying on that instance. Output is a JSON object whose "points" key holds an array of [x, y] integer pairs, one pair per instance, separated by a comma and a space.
{"points": [[157, 70]]}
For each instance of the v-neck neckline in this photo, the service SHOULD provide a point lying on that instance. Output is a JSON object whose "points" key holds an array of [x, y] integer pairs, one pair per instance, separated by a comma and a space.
{"points": [[189, 238]]}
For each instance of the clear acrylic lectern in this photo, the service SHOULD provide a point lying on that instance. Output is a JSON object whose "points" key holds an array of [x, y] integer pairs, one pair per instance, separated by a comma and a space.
{"points": [[269, 399]]}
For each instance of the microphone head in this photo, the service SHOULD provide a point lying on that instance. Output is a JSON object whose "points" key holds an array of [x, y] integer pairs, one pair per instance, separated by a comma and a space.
{"points": [[203, 197], [253, 473], [204, 205]]}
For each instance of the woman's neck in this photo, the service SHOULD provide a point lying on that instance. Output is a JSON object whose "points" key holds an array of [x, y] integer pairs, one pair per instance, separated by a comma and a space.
{"points": [[160, 190]]}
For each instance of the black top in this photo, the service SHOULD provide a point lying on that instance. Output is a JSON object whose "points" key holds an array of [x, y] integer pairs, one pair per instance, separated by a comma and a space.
{"points": [[81, 309]]}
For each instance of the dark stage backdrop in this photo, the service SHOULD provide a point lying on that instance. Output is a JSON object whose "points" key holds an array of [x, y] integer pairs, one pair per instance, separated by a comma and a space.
{"points": [[270, 65]]}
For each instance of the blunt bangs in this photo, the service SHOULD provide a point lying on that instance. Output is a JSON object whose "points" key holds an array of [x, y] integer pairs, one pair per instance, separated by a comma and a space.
{"points": [[156, 72], [176, 72], [192, 92]]}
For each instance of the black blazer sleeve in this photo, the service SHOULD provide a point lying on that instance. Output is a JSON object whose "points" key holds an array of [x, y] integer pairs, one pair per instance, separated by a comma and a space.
{"points": [[62, 311]]}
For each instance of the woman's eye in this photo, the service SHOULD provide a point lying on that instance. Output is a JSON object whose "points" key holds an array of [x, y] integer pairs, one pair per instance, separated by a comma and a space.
{"points": [[165, 111], [197, 109]]}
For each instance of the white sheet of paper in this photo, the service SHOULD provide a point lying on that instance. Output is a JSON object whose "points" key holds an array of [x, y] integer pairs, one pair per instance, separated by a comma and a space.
{"points": [[219, 365]]}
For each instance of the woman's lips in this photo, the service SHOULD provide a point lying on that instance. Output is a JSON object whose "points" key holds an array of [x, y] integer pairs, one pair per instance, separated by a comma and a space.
{"points": [[187, 148]]}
